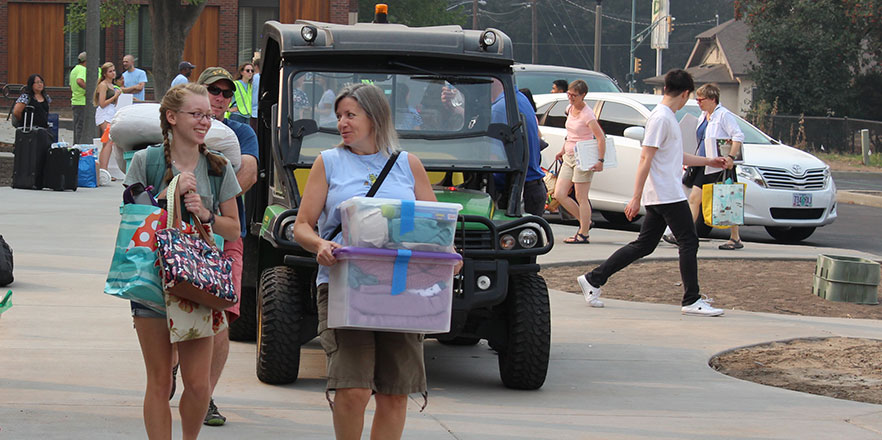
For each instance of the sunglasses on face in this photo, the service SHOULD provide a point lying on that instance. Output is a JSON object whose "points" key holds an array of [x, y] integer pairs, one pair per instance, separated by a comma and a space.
{"points": [[214, 90], [249, 70]]}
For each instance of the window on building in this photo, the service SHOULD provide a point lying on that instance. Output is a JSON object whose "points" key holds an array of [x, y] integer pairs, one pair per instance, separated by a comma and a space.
{"points": [[252, 16], [139, 41]]}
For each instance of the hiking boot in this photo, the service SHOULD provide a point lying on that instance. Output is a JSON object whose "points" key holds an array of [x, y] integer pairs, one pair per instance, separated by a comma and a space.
{"points": [[702, 307], [213, 417], [591, 293]]}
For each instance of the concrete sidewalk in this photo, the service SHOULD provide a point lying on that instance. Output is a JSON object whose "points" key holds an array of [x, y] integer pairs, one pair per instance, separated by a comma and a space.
{"points": [[70, 366]]}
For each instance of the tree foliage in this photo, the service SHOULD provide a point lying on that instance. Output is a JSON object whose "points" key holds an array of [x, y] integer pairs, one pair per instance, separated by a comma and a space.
{"points": [[113, 12], [809, 53]]}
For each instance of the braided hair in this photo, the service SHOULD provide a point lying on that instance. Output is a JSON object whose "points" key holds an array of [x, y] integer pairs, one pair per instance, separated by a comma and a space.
{"points": [[174, 100]]}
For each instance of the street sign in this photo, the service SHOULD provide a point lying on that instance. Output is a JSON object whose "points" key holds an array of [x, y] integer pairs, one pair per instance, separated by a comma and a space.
{"points": [[660, 12]]}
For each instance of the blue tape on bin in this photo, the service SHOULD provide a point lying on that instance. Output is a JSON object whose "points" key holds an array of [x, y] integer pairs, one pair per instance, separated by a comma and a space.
{"points": [[407, 211], [399, 271]]}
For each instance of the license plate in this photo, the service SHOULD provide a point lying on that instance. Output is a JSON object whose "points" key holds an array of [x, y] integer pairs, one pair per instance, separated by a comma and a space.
{"points": [[802, 200]]}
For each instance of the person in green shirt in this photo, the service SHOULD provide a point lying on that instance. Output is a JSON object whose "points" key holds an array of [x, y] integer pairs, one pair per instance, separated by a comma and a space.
{"points": [[78, 97]]}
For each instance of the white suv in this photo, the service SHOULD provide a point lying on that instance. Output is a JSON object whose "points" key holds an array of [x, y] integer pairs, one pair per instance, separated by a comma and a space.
{"points": [[789, 191]]}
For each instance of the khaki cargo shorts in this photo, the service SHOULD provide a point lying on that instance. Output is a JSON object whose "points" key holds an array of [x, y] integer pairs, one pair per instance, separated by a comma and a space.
{"points": [[386, 362], [569, 171]]}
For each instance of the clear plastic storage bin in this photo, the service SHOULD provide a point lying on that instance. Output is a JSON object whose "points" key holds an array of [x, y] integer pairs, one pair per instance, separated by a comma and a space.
{"points": [[391, 290], [399, 224]]}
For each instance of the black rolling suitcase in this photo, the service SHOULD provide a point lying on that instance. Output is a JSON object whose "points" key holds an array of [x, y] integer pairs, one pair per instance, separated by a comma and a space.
{"points": [[62, 167], [31, 147]]}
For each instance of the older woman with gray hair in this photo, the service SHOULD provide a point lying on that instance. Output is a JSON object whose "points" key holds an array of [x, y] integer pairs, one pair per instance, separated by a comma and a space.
{"points": [[362, 362]]}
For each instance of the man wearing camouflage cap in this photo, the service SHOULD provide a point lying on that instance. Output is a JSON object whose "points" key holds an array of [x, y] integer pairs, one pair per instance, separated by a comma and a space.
{"points": [[220, 89]]}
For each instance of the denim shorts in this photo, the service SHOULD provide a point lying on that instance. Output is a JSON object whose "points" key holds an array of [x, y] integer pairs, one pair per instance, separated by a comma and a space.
{"points": [[141, 311]]}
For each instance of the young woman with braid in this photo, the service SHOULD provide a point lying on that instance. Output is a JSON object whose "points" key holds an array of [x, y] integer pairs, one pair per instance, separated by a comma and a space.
{"points": [[185, 113]]}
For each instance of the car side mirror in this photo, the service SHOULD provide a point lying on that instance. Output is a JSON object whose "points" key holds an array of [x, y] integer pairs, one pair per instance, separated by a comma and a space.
{"points": [[635, 133]]}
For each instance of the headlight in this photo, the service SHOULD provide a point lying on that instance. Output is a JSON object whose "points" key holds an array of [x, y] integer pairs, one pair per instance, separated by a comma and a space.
{"points": [[308, 33], [506, 242], [289, 231], [528, 238], [748, 172], [488, 38]]}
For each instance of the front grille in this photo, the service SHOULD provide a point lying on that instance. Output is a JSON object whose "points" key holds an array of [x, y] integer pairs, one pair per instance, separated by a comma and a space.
{"points": [[796, 213], [474, 239], [778, 178]]}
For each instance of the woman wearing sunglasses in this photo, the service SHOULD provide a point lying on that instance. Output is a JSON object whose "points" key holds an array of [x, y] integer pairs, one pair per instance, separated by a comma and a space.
{"points": [[240, 109]]}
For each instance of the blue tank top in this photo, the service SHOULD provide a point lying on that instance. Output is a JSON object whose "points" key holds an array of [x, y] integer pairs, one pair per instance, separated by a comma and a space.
{"points": [[351, 175]]}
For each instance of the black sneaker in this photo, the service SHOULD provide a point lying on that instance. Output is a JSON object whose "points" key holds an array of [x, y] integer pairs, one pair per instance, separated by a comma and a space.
{"points": [[213, 417], [669, 238], [174, 381]]}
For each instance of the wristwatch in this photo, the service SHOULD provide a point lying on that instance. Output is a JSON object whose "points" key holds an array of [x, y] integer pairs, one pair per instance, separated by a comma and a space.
{"points": [[600, 160], [731, 156], [210, 219]]}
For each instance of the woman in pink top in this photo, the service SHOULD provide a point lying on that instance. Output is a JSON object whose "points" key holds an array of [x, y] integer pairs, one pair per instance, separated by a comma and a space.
{"points": [[581, 126]]}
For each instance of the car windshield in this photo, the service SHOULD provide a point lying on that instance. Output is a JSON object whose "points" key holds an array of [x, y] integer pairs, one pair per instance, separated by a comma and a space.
{"points": [[441, 133], [540, 82], [752, 135]]}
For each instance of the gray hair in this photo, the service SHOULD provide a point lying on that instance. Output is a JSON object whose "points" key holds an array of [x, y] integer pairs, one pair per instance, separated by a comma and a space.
{"points": [[372, 99]]}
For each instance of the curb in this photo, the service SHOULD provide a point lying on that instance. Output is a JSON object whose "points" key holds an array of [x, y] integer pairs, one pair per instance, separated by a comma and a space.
{"points": [[866, 198]]}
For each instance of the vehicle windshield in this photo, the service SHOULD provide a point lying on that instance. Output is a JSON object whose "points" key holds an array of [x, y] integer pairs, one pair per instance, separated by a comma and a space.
{"points": [[448, 133], [540, 82], [752, 135]]}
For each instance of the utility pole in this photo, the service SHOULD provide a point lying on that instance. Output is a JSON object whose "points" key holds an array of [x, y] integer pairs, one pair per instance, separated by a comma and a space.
{"points": [[534, 13], [475, 14], [631, 59], [93, 55], [597, 36]]}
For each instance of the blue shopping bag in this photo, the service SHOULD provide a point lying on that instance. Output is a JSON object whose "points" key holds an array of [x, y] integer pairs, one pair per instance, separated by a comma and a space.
{"points": [[134, 274], [87, 174]]}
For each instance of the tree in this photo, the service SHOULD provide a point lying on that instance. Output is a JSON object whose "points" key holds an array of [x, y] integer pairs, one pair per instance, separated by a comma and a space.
{"points": [[807, 51], [171, 21]]}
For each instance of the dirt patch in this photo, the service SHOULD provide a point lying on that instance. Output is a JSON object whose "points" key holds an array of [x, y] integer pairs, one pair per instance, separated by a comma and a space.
{"points": [[843, 368]]}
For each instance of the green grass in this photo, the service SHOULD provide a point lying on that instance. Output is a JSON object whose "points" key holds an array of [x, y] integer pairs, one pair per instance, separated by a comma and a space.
{"points": [[853, 160]]}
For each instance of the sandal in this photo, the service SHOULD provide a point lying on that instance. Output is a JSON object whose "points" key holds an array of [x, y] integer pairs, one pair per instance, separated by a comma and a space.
{"points": [[577, 239], [731, 245]]}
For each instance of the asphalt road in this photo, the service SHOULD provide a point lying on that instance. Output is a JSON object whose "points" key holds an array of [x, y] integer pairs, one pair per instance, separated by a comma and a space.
{"points": [[857, 227], [853, 180]]}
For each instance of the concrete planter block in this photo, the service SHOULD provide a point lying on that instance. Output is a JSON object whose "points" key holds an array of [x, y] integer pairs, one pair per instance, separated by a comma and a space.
{"points": [[846, 279]]}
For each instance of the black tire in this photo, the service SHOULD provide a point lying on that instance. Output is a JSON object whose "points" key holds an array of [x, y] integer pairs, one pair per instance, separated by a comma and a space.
{"points": [[790, 234], [282, 307], [460, 341], [617, 218], [244, 328], [523, 362]]}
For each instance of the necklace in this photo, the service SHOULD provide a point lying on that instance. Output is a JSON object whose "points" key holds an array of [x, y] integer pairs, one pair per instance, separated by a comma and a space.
{"points": [[368, 161]]}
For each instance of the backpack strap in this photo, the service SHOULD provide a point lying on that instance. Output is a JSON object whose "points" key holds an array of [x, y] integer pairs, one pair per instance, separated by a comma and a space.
{"points": [[156, 171]]}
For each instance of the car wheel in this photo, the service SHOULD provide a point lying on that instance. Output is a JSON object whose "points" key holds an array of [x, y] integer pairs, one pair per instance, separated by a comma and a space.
{"points": [[282, 311], [790, 234], [617, 218], [523, 361], [244, 328]]}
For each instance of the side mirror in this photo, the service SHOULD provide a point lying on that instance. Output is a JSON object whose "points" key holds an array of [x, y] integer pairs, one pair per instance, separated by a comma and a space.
{"points": [[635, 133]]}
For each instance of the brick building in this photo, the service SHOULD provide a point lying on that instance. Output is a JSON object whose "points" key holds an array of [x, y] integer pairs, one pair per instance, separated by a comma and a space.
{"points": [[227, 33]]}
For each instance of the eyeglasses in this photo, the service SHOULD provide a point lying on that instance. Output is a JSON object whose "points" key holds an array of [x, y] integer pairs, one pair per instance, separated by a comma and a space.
{"points": [[572, 95], [199, 116], [214, 90], [699, 100]]}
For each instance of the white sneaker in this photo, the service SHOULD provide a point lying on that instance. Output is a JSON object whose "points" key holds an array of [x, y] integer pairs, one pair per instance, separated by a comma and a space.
{"points": [[591, 293], [702, 307], [104, 177]]}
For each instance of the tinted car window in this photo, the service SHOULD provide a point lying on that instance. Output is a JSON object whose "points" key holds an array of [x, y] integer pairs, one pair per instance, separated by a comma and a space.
{"points": [[615, 118], [557, 117], [540, 82]]}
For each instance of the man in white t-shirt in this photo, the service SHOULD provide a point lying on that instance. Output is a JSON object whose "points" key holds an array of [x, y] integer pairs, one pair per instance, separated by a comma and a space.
{"points": [[659, 189]]}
